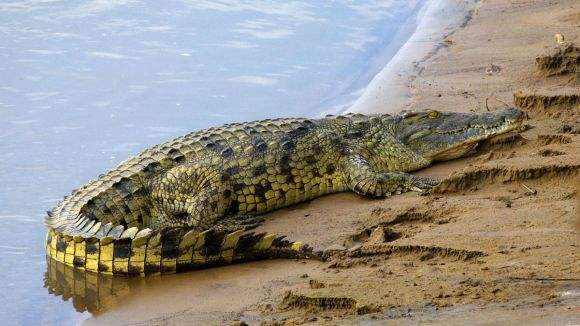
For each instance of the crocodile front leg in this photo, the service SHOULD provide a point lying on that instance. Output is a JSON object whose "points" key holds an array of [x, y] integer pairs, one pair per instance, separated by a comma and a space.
{"points": [[363, 180]]}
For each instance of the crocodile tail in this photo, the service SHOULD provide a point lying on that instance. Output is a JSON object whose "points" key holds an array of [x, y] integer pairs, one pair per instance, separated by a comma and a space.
{"points": [[97, 292], [167, 251]]}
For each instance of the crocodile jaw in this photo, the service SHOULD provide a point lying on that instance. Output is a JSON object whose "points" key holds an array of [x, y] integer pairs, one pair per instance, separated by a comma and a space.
{"points": [[472, 136], [447, 136]]}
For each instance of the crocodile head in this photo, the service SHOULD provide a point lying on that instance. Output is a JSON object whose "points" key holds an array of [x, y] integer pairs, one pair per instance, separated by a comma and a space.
{"points": [[442, 136]]}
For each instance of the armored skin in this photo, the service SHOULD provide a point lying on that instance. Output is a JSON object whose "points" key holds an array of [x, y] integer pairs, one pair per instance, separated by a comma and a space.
{"points": [[189, 202]]}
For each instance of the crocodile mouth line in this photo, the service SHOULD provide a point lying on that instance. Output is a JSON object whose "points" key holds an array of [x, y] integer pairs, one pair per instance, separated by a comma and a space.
{"points": [[483, 132], [499, 128]]}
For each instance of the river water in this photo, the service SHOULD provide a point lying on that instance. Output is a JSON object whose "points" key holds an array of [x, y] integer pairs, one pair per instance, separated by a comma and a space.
{"points": [[86, 84]]}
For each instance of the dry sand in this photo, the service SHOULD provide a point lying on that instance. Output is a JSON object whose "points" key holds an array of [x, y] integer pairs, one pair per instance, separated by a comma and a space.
{"points": [[495, 243]]}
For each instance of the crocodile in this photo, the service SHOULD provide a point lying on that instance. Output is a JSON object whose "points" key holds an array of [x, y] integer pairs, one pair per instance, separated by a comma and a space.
{"points": [[193, 201]]}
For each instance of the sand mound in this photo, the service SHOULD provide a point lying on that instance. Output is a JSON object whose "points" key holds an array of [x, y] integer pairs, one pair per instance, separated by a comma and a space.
{"points": [[562, 60], [294, 301], [472, 178], [564, 102]]}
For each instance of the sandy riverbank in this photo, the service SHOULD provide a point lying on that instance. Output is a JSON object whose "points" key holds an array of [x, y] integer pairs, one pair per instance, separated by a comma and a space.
{"points": [[496, 243]]}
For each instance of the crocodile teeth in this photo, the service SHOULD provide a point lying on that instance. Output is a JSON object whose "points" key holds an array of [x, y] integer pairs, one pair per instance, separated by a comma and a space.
{"points": [[129, 233]]}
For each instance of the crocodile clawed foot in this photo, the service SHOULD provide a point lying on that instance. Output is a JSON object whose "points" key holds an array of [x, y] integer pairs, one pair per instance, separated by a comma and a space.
{"points": [[238, 222], [423, 185]]}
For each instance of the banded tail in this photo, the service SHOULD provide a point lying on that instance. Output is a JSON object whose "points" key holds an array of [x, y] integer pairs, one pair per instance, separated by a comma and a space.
{"points": [[167, 251]]}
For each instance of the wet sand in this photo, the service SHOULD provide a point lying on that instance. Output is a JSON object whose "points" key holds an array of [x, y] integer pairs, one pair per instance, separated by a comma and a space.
{"points": [[496, 242]]}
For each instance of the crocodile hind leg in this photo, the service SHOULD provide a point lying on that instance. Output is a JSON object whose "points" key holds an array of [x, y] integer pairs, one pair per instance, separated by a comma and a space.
{"points": [[363, 180], [189, 195]]}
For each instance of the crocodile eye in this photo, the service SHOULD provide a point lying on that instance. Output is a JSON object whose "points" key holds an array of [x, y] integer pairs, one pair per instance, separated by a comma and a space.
{"points": [[433, 114]]}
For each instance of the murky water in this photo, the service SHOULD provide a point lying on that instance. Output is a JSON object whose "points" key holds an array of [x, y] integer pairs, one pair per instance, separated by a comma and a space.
{"points": [[85, 84]]}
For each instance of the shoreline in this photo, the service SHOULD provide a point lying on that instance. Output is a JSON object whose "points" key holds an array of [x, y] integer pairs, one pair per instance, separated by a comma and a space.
{"points": [[388, 91], [376, 58], [528, 239]]}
